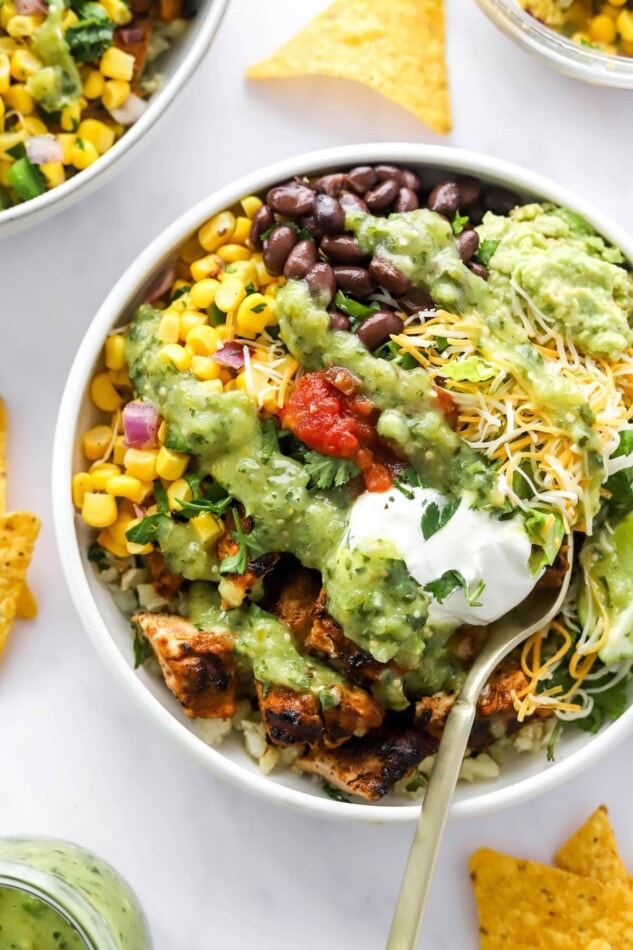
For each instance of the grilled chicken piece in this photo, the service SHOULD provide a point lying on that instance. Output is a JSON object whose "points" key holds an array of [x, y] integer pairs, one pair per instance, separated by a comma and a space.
{"points": [[234, 588], [371, 765], [199, 667], [326, 639], [133, 38], [296, 601], [290, 717], [495, 715], [164, 582]]}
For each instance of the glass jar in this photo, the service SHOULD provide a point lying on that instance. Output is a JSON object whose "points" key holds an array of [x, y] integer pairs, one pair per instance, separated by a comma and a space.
{"points": [[74, 897], [574, 59]]}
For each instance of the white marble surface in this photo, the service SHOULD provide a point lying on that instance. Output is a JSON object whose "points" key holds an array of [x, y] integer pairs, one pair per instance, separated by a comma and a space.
{"points": [[214, 867]]}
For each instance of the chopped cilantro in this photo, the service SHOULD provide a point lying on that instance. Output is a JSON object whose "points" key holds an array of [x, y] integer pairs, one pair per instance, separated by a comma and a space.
{"points": [[334, 793], [180, 292], [176, 442], [450, 581], [328, 472], [97, 555], [89, 39], [407, 479], [162, 502], [440, 343], [270, 441], [417, 782], [194, 480], [435, 518], [553, 739], [142, 647], [148, 530], [486, 250], [216, 317], [237, 563], [459, 222], [354, 309]]}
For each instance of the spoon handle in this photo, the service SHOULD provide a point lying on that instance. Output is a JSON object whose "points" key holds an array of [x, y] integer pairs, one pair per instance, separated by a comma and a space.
{"points": [[407, 918]]}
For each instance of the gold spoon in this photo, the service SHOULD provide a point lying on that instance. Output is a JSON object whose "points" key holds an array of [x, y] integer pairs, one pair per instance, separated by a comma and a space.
{"points": [[504, 635]]}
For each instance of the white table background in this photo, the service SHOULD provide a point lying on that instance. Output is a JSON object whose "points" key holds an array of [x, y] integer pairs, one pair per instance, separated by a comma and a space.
{"points": [[213, 867]]}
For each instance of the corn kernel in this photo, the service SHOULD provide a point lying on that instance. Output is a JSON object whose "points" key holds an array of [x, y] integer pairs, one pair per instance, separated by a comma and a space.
{"points": [[203, 367], [81, 483], [625, 25], [171, 465], [221, 332], [18, 98], [141, 464], [67, 142], [5, 73], [120, 526], [203, 292], [71, 116], [95, 441], [209, 266], [116, 64], [94, 84], [602, 29], [83, 154], [255, 312], [116, 92], [163, 432], [34, 126], [178, 490], [203, 340], [106, 541], [616, 3], [7, 10], [211, 386], [69, 19], [263, 277], [132, 546], [119, 450], [21, 26], [115, 351], [217, 231], [169, 327], [126, 486], [103, 393], [191, 250], [230, 294], [101, 473], [101, 135], [251, 204], [230, 253], [24, 65], [175, 354], [245, 271], [190, 319], [118, 11], [207, 527], [242, 230], [98, 510], [53, 173]]}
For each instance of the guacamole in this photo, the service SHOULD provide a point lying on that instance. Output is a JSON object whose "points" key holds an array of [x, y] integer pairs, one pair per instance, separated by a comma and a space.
{"points": [[26, 921]]}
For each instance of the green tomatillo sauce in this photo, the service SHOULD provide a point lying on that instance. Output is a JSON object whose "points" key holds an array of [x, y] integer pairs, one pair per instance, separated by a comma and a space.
{"points": [[27, 923]]}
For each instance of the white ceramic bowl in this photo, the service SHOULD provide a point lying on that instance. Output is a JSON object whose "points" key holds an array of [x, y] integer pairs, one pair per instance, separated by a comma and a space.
{"points": [[522, 777], [176, 66]]}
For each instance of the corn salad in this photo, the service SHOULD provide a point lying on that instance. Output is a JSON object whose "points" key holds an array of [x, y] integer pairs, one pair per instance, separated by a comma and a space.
{"points": [[605, 26], [72, 79]]}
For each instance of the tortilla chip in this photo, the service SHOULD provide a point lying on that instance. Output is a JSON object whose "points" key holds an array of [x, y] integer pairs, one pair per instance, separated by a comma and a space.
{"points": [[3, 457], [528, 905], [593, 851], [18, 532], [396, 48], [26, 607]]}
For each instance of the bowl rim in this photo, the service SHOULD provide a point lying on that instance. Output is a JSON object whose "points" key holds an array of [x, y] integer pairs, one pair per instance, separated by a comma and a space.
{"points": [[26, 213], [581, 62], [109, 315]]}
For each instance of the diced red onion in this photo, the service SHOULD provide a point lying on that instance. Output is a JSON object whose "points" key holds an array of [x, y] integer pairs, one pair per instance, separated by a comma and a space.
{"points": [[230, 354], [131, 110], [140, 425], [138, 510], [130, 35], [161, 285], [42, 149], [29, 7]]}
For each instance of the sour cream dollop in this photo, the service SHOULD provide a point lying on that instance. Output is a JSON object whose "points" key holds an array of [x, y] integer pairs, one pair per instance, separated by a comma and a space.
{"points": [[475, 543]]}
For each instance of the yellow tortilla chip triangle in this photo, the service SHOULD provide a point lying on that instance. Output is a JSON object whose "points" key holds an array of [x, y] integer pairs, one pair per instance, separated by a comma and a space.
{"points": [[18, 532], [593, 851], [396, 48], [529, 905], [26, 607]]}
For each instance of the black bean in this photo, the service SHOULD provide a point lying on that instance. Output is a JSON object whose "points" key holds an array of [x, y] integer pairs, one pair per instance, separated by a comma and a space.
{"points": [[467, 244], [277, 247], [388, 172], [476, 214], [362, 178], [478, 270], [389, 276], [309, 222], [263, 219], [302, 257], [415, 300], [444, 198], [291, 198], [469, 191], [407, 200], [382, 196], [331, 185], [377, 328], [343, 249], [338, 321], [354, 280], [322, 283], [348, 200], [501, 200], [410, 180], [328, 213]]}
